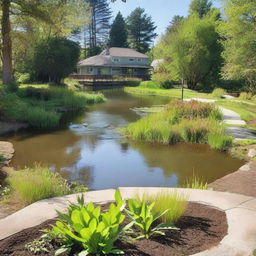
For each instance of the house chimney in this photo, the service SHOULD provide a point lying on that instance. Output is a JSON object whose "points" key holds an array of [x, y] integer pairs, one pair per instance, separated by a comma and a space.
{"points": [[107, 50]]}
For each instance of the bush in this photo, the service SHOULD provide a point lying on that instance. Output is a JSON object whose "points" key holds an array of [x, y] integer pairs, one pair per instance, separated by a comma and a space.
{"points": [[219, 141], [219, 93], [149, 84], [33, 184], [133, 83], [245, 96], [12, 87], [22, 78], [173, 203], [163, 80]]}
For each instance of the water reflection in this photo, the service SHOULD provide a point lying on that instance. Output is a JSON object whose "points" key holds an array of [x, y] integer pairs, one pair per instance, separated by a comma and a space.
{"points": [[92, 151]]}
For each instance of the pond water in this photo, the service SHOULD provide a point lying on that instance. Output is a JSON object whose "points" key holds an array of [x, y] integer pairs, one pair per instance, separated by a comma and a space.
{"points": [[92, 151]]}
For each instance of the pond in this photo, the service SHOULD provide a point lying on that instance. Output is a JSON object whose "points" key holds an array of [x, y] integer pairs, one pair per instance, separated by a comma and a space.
{"points": [[91, 150]]}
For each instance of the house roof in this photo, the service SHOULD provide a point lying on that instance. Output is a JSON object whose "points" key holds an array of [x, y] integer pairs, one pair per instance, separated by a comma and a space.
{"points": [[104, 59], [123, 52]]}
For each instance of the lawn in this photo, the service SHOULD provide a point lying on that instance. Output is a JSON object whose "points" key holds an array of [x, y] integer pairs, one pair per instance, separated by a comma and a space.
{"points": [[174, 93]]}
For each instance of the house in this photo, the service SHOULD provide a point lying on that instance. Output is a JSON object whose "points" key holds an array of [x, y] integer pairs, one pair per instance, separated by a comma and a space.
{"points": [[115, 61]]}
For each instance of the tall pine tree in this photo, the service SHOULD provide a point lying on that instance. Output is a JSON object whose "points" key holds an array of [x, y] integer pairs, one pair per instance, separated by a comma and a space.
{"points": [[97, 32], [200, 7], [118, 32], [141, 30]]}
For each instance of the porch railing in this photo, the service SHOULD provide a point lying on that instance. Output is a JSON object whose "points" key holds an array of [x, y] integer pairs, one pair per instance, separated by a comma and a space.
{"points": [[108, 77]]}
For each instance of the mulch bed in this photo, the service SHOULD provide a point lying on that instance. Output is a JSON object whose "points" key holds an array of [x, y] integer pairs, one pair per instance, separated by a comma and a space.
{"points": [[201, 228]]}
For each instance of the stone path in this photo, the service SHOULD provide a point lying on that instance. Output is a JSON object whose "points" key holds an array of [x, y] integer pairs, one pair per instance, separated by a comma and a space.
{"points": [[7, 150], [240, 211]]}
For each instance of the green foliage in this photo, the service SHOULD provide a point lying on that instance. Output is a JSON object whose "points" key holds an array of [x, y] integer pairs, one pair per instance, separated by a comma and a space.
{"points": [[149, 84], [180, 122], [163, 79], [172, 202], [200, 7], [118, 32], [33, 184], [219, 93], [219, 141], [144, 219], [195, 183], [245, 96], [2, 158], [42, 108], [192, 51], [140, 30], [22, 77], [239, 31], [244, 142], [54, 59], [92, 230], [12, 87]]}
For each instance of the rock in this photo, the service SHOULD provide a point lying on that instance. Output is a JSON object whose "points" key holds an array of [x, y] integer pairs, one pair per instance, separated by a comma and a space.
{"points": [[85, 124], [251, 153], [7, 150], [245, 167]]}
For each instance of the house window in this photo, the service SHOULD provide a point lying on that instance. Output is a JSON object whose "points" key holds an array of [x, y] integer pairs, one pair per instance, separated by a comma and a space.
{"points": [[131, 59], [116, 60], [139, 60], [89, 70]]}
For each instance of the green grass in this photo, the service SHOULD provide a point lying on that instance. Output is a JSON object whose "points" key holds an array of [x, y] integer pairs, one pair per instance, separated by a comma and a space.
{"points": [[33, 184], [173, 201], [195, 183], [218, 93], [174, 93], [181, 122], [217, 141], [42, 108], [244, 142], [245, 110], [149, 84]]}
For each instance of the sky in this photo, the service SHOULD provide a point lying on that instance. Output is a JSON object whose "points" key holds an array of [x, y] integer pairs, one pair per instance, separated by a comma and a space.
{"points": [[161, 11]]}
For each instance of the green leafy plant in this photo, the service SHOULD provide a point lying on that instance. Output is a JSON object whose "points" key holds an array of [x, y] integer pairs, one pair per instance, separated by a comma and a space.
{"points": [[195, 183], [144, 218], [95, 232]]}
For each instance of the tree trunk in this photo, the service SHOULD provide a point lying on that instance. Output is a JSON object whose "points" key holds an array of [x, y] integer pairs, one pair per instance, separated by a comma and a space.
{"points": [[7, 42]]}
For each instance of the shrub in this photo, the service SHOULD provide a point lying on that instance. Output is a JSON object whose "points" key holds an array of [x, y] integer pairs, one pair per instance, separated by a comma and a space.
{"points": [[163, 80], [218, 93], [219, 141], [149, 84], [173, 203], [12, 87], [133, 83], [245, 96], [22, 78], [33, 184]]}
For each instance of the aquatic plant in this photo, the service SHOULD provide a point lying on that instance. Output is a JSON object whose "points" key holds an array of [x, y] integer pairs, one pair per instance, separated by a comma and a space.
{"points": [[220, 141], [195, 183]]}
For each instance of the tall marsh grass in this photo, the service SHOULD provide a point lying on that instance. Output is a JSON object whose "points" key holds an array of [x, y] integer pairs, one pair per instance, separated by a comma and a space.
{"points": [[181, 122], [42, 108], [195, 183], [174, 202], [33, 184], [218, 93]]}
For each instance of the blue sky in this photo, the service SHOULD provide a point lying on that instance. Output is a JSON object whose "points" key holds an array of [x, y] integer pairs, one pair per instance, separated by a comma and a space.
{"points": [[161, 11]]}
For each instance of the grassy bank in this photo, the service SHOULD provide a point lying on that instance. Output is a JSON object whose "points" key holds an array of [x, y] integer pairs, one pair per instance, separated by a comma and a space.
{"points": [[247, 111], [43, 107], [193, 122], [174, 93]]}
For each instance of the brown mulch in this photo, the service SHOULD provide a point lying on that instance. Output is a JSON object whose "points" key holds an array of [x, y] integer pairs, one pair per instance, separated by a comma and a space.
{"points": [[201, 228]]}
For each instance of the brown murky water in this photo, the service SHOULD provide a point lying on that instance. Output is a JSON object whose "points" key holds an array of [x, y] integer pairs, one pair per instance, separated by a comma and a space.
{"points": [[91, 150]]}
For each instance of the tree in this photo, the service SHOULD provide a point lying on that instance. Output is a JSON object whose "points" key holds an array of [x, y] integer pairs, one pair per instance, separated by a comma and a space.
{"points": [[31, 17], [176, 20], [239, 32], [193, 52], [96, 34], [54, 59], [118, 32], [200, 7], [141, 30]]}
